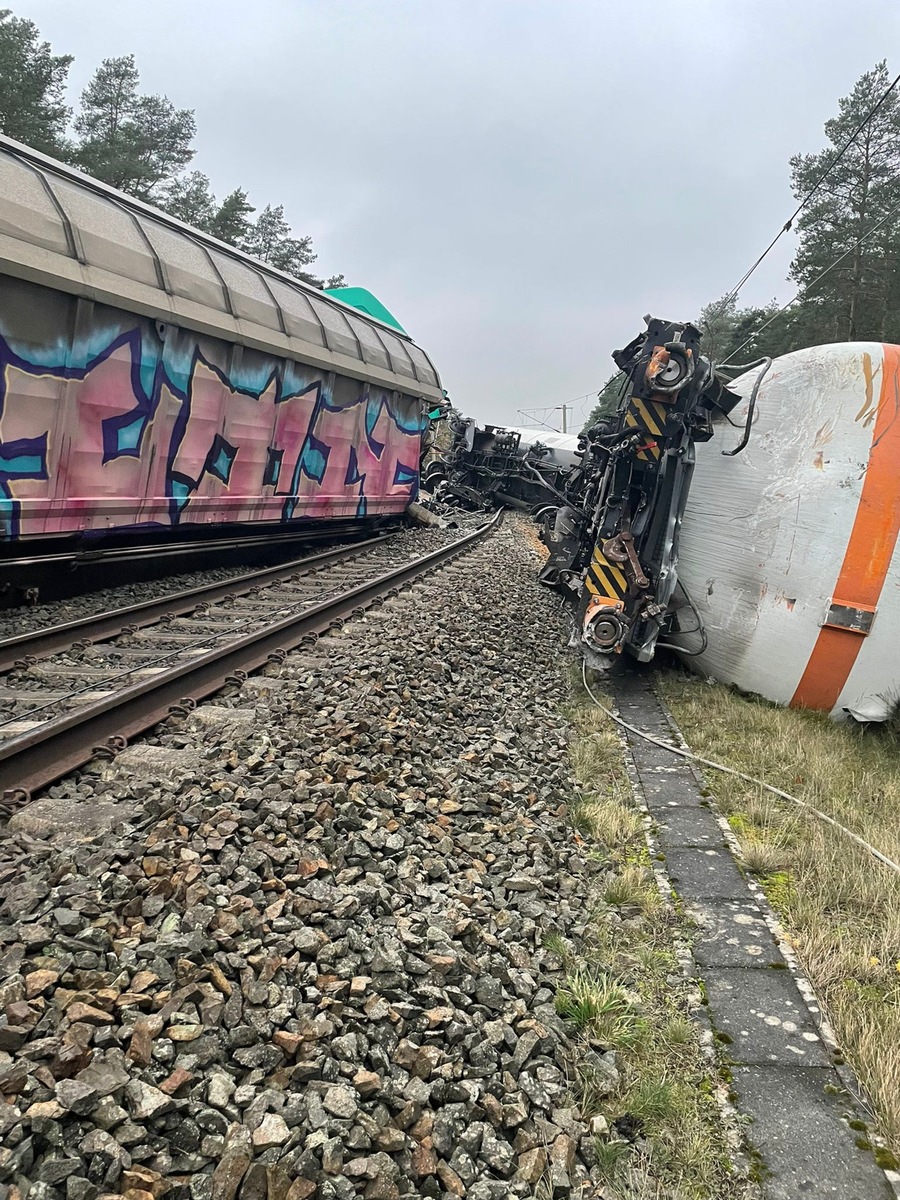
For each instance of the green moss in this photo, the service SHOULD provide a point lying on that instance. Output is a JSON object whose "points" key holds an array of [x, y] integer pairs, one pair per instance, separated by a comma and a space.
{"points": [[758, 1171], [779, 887], [778, 966], [739, 823], [886, 1159], [859, 1126], [863, 1143]]}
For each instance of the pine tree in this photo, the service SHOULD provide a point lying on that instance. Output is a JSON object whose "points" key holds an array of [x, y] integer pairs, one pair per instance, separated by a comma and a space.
{"points": [[857, 299], [32, 86], [103, 124], [190, 199], [163, 140], [271, 241], [134, 142], [230, 222], [749, 333]]}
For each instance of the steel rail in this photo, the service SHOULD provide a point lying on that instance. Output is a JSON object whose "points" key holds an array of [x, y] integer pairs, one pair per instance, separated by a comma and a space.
{"points": [[47, 753], [41, 643]]}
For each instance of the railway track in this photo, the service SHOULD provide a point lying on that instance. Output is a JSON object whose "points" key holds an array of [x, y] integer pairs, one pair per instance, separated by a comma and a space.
{"points": [[117, 674]]}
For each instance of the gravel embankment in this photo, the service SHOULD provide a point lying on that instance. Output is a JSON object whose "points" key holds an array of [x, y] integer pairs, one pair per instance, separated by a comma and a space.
{"points": [[314, 964]]}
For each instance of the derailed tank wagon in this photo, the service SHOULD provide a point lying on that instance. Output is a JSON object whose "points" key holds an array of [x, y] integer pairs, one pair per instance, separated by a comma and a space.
{"points": [[790, 551], [487, 465], [156, 381], [748, 523], [769, 562]]}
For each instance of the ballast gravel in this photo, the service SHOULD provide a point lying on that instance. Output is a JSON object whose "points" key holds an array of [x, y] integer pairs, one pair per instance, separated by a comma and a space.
{"points": [[294, 945]]}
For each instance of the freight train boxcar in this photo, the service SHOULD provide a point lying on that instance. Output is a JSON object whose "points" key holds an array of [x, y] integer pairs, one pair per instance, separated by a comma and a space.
{"points": [[155, 379]]}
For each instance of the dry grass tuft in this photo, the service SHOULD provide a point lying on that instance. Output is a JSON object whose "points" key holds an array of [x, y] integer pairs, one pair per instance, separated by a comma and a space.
{"points": [[839, 906], [678, 1031], [614, 824], [633, 887], [762, 858]]}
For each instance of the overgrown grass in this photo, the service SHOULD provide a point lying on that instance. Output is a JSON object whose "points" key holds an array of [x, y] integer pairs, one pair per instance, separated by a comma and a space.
{"points": [[624, 992], [840, 907], [598, 1006]]}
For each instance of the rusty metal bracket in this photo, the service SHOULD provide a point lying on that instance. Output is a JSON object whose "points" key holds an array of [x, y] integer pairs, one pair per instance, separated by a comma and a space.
{"points": [[15, 798], [620, 549], [854, 618]]}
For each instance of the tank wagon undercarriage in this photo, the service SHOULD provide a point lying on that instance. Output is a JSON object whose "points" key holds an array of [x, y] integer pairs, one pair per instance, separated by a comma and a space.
{"points": [[612, 511]]}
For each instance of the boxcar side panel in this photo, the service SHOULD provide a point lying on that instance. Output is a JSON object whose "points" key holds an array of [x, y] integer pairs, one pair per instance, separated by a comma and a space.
{"points": [[109, 421]]}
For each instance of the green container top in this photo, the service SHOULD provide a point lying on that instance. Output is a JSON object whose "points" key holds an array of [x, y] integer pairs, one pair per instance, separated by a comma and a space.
{"points": [[362, 299]]}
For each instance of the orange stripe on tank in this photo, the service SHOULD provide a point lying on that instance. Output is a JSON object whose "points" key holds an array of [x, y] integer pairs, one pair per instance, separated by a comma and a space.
{"points": [[869, 550]]}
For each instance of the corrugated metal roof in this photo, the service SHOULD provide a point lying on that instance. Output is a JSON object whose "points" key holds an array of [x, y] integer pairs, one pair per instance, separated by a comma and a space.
{"points": [[65, 230]]}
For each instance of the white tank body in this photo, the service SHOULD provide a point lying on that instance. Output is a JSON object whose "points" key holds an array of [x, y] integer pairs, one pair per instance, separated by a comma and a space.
{"points": [[789, 550], [562, 447]]}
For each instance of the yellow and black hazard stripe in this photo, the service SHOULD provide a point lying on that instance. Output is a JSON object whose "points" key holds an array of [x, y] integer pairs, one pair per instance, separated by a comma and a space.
{"points": [[649, 416], [605, 580]]}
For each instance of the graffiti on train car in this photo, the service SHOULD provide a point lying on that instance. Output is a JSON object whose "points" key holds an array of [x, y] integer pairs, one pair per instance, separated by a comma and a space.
{"points": [[143, 425]]}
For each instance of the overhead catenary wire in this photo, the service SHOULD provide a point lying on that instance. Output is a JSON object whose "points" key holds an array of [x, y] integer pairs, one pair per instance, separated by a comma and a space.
{"points": [[804, 291], [522, 413], [530, 413], [706, 762], [788, 225], [812, 191]]}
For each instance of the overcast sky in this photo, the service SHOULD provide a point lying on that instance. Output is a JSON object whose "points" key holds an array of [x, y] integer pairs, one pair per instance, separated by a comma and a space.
{"points": [[519, 181]]}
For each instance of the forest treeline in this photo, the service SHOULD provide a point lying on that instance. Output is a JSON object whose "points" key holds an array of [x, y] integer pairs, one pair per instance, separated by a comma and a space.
{"points": [[139, 143], [847, 263]]}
